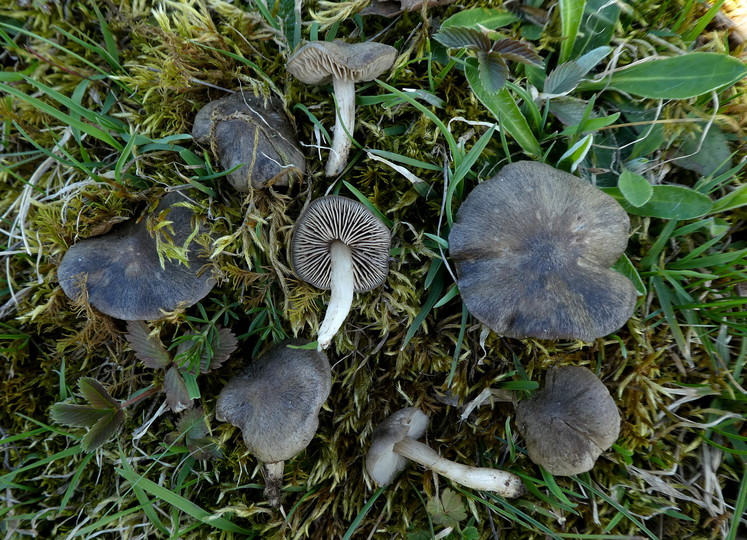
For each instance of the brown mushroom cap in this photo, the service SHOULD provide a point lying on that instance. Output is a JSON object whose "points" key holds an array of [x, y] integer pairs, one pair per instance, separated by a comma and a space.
{"points": [[276, 400], [334, 218], [317, 62], [533, 248], [121, 275], [570, 422], [246, 129]]}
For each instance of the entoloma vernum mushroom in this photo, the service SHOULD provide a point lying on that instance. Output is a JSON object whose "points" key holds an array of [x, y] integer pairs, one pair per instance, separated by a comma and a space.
{"points": [[394, 442], [252, 131], [533, 248], [319, 62], [276, 402], [339, 245], [570, 422], [120, 273]]}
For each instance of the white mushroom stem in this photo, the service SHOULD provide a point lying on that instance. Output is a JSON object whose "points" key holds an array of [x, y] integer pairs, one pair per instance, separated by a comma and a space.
{"points": [[502, 482], [344, 120], [341, 270]]}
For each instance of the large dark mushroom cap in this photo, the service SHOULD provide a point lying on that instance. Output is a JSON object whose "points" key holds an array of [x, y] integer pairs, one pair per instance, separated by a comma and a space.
{"points": [[245, 129], [333, 218], [276, 400], [533, 248], [318, 62], [570, 422], [121, 275]]}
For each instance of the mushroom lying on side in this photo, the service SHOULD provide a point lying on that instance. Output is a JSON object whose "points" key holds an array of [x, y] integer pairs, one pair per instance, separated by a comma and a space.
{"points": [[533, 248], [339, 244], [344, 64], [245, 129], [120, 273], [276, 402], [570, 422], [394, 442]]}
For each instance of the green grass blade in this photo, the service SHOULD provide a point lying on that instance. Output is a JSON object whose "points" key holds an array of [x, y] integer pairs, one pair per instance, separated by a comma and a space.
{"points": [[186, 506], [571, 13]]}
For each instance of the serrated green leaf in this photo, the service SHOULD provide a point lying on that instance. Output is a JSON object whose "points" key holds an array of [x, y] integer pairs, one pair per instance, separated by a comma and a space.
{"points": [[148, 349], [192, 424], [224, 343], [491, 18], [635, 188], [563, 79], [96, 395], [667, 202], [177, 395], [103, 430], [204, 448], [493, 71], [77, 415], [678, 77], [459, 37], [516, 51]]}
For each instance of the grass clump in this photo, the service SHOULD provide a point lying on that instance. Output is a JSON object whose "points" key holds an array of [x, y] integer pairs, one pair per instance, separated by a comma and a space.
{"points": [[96, 105]]}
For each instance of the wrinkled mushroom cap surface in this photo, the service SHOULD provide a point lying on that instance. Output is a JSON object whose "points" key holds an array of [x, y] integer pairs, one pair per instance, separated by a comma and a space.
{"points": [[276, 400], [245, 129], [382, 463], [533, 248], [333, 218], [121, 274], [570, 422], [318, 62]]}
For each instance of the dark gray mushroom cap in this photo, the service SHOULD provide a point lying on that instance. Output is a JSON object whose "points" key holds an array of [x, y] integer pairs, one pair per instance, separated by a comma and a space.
{"points": [[317, 62], [570, 422], [245, 129], [276, 400], [533, 248], [333, 218], [121, 274], [382, 462]]}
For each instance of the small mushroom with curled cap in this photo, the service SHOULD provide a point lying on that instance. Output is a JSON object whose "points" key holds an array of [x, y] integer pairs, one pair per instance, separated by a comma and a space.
{"points": [[533, 248], [395, 441], [344, 64], [570, 422], [275, 402], [339, 244], [121, 274], [248, 130]]}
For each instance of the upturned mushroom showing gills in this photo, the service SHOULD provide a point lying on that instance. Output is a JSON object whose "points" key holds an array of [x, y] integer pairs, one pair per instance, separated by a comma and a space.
{"points": [[533, 247], [276, 402], [120, 273], [339, 245], [570, 422], [243, 129], [395, 442], [344, 64]]}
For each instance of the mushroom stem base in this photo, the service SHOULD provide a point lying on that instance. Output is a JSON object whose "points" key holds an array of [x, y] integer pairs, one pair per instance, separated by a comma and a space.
{"points": [[341, 268], [502, 482], [273, 481]]}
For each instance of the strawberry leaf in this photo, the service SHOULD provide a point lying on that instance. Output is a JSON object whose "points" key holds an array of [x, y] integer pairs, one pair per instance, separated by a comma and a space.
{"points": [[224, 343], [516, 51], [492, 70], [177, 396], [103, 430], [459, 37], [148, 349], [96, 395], [77, 415], [563, 79]]}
